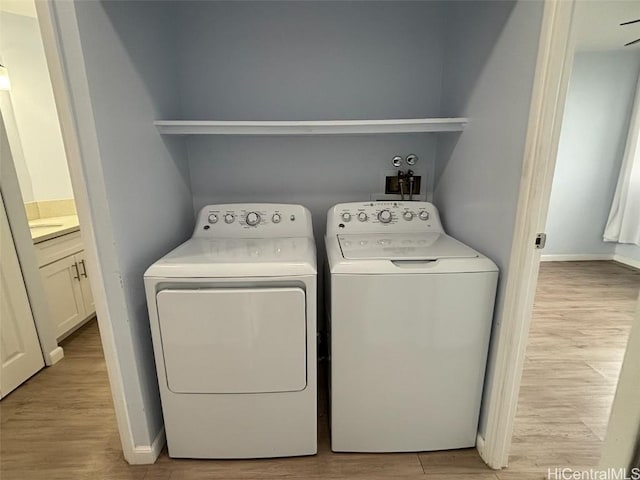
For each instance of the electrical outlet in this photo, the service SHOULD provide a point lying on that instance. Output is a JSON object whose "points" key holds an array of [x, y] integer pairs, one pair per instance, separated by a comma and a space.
{"points": [[392, 185]]}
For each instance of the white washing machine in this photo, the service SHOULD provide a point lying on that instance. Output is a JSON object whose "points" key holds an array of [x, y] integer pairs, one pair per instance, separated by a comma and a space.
{"points": [[410, 319], [233, 320]]}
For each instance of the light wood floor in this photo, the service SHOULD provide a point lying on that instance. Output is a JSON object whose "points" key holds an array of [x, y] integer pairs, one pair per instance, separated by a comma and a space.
{"points": [[61, 425]]}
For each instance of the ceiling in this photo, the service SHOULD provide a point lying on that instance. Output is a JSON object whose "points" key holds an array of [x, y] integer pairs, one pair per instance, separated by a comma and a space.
{"points": [[597, 24], [19, 7]]}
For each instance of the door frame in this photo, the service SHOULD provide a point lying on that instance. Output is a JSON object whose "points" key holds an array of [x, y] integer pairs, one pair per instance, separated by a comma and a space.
{"points": [[553, 69], [62, 89]]}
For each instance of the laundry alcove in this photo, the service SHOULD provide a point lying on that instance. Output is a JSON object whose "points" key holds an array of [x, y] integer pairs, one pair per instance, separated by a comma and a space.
{"points": [[143, 76]]}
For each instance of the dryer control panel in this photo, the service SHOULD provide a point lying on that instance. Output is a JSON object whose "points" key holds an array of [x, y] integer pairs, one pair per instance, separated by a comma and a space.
{"points": [[378, 217], [249, 220]]}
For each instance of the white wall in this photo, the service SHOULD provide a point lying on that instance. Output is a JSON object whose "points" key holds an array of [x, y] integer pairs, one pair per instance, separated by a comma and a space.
{"points": [[139, 182], [42, 167], [592, 142], [488, 76], [13, 136]]}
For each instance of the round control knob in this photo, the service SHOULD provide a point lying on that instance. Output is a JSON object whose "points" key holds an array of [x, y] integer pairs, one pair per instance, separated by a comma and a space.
{"points": [[408, 216], [362, 217], [424, 215], [212, 218], [346, 217], [252, 219], [229, 218], [385, 216], [276, 218]]}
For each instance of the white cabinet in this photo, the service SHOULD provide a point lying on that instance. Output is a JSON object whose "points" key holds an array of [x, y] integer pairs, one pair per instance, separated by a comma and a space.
{"points": [[66, 283], [87, 296]]}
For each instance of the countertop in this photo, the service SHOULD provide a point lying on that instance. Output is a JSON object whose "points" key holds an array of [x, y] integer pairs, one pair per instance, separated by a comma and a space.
{"points": [[44, 229]]}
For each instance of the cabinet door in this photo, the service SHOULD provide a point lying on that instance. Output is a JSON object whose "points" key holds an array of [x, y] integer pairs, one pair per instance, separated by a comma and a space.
{"points": [[87, 296], [61, 282]]}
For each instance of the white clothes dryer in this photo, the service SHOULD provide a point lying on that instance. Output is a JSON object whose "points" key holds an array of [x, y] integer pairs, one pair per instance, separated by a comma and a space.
{"points": [[410, 318], [233, 321]]}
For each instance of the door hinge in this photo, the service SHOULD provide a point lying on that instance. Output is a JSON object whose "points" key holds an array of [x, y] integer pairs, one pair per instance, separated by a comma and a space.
{"points": [[541, 240]]}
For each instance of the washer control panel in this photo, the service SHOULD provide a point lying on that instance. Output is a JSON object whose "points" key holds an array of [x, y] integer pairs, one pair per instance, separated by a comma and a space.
{"points": [[374, 217], [253, 220]]}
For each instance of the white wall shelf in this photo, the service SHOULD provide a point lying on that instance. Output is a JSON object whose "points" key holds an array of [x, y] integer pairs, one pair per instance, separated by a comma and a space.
{"points": [[323, 127]]}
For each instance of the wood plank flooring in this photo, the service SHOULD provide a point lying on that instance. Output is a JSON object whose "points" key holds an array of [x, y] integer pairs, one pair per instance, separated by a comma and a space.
{"points": [[61, 425], [581, 321]]}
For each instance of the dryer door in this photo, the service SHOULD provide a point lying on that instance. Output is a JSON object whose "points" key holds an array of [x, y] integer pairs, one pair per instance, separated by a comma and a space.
{"points": [[233, 340]]}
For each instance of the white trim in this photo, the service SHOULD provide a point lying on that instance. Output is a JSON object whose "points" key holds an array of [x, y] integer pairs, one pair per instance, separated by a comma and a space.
{"points": [[148, 454], [620, 448], [480, 444], [319, 127], [553, 68], [588, 257], [56, 355], [49, 21], [631, 262], [582, 257]]}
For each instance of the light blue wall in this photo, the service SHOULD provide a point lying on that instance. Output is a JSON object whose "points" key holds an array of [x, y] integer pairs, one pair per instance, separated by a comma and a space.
{"points": [[307, 61], [311, 61], [592, 141], [488, 76], [283, 60], [298, 60], [628, 251], [127, 50]]}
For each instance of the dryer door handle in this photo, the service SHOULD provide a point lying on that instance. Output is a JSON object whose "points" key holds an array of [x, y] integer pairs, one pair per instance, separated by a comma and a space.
{"points": [[414, 264]]}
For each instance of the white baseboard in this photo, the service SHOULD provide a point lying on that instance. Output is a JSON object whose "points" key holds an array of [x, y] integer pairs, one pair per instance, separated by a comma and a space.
{"points": [[56, 355], [586, 257], [480, 443], [148, 454], [631, 262]]}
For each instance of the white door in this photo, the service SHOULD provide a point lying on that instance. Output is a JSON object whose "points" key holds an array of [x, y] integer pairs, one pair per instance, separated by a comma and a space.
{"points": [[61, 282], [20, 352]]}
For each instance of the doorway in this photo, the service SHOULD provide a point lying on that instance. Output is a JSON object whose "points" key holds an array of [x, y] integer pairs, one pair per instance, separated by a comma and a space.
{"points": [[37, 188], [587, 288]]}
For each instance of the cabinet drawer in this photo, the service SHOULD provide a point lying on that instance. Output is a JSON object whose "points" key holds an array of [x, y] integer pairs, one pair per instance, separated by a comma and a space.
{"points": [[51, 250]]}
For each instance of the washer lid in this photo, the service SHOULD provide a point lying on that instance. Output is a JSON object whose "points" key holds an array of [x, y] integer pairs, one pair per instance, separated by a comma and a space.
{"points": [[407, 246], [238, 257]]}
